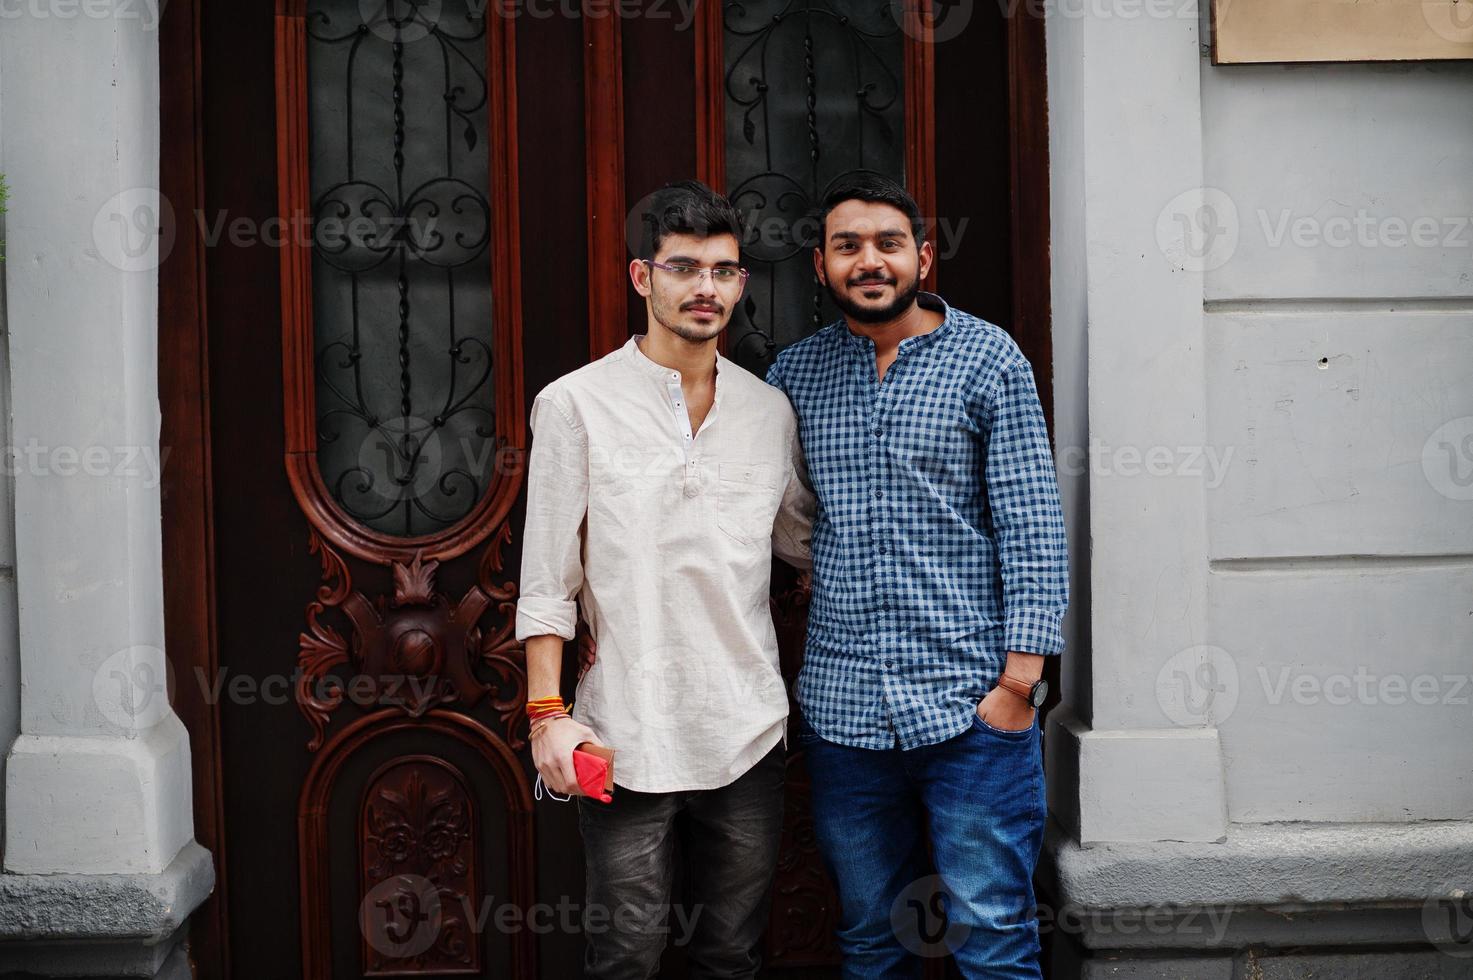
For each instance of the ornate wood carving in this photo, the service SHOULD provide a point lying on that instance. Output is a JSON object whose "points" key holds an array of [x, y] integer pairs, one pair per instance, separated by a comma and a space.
{"points": [[419, 836], [438, 844], [416, 650]]}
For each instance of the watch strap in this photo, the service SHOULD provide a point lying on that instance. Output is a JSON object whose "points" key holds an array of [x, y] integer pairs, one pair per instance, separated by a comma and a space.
{"points": [[1022, 689]]}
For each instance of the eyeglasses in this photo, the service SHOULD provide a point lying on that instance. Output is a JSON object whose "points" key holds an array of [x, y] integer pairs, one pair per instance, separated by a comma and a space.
{"points": [[721, 275]]}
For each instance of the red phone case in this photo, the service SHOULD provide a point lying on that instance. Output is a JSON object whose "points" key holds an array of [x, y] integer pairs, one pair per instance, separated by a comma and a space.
{"points": [[594, 766]]}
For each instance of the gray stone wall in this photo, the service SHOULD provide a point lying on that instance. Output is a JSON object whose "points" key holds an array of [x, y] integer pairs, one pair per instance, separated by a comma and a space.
{"points": [[9, 640], [1263, 316]]}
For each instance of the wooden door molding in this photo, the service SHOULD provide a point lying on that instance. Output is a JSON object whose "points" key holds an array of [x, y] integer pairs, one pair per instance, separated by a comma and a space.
{"points": [[710, 96], [312, 823], [603, 124], [417, 649], [188, 490], [298, 345], [1032, 323], [920, 111]]}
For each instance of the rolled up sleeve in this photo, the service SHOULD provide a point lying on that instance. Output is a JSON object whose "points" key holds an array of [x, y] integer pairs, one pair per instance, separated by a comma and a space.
{"points": [[557, 501]]}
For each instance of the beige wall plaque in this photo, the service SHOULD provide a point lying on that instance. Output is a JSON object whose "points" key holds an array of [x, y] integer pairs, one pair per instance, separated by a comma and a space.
{"points": [[1255, 31]]}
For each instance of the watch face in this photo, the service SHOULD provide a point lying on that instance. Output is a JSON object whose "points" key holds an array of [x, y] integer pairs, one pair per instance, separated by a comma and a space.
{"points": [[1039, 693]]}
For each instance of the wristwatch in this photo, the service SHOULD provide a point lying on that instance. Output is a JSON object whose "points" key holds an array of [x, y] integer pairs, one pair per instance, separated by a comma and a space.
{"points": [[1034, 693]]}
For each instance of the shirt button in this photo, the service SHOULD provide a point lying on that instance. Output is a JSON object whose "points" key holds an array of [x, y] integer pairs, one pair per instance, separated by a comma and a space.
{"points": [[884, 549], [879, 433], [692, 489], [879, 494], [885, 606], [889, 664]]}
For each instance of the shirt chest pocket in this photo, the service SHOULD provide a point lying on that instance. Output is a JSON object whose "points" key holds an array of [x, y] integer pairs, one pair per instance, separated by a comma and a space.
{"points": [[746, 500]]}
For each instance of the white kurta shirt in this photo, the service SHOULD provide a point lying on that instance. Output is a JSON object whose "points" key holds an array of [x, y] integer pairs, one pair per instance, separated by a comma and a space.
{"points": [[664, 537]]}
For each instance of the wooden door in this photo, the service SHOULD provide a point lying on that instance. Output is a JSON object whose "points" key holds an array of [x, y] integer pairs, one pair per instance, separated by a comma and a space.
{"points": [[405, 219]]}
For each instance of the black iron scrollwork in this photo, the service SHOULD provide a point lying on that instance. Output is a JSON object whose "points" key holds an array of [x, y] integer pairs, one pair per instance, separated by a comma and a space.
{"points": [[401, 224], [813, 92]]}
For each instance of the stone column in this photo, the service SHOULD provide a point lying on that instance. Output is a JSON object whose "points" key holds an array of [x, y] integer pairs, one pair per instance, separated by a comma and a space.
{"points": [[98, 811], [1126, 115]]}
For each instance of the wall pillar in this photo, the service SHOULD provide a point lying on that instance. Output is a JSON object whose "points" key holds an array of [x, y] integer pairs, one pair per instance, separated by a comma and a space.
{"points": [[98, 795]]}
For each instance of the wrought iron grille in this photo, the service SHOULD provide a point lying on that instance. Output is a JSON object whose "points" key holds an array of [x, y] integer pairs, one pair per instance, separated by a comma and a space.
{"points": [[813, 91], [401, 225]]}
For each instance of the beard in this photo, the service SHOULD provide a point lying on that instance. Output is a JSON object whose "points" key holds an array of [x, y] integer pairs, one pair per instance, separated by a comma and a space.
{"points": [[671, 318], [868, 314]]}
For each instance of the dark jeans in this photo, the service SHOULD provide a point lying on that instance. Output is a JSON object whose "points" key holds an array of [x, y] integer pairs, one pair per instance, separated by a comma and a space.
{"points": [[981, 795], [730, 840]]}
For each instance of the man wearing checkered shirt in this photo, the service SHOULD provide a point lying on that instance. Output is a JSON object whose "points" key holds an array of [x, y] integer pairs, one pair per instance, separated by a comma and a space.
{"points": [[939, 583]]}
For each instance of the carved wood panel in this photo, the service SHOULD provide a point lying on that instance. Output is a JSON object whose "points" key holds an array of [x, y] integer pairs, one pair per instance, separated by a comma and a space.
{"points": [[419, 861]]}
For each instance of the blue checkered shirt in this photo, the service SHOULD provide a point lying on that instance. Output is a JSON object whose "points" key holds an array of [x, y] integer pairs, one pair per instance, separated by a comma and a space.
{"points": [[939, 540]]}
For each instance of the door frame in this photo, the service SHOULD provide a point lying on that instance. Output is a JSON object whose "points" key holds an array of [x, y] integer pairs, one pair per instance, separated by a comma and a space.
{"points": [[183, 366]]}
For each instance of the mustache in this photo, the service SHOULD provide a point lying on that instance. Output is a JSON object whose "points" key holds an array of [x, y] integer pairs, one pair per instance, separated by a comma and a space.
{"points": [[715, 307], [872, 281]]}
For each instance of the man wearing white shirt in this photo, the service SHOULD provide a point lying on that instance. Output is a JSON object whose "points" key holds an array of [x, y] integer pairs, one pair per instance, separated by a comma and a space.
{"points": [[662, 479]]}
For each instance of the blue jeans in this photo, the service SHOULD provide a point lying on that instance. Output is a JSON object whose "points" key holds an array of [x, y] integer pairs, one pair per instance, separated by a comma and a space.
{"points": [[981, 796]]}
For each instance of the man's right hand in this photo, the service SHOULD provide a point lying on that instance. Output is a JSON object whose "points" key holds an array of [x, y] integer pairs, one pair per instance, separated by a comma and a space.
{"points": [[552, 753], [587, 652]]}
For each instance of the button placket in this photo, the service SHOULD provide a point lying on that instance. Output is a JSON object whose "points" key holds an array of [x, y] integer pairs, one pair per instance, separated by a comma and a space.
{"points": [[691, 481], [882, 394]]}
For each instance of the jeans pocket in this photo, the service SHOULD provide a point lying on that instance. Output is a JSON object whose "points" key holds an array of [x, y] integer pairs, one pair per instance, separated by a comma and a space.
{"points": [[1021, 735], [804, 733]]}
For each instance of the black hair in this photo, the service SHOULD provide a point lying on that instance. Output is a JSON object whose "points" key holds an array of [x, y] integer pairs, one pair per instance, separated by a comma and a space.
{"points": [[866, 185], [686, 207]]}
